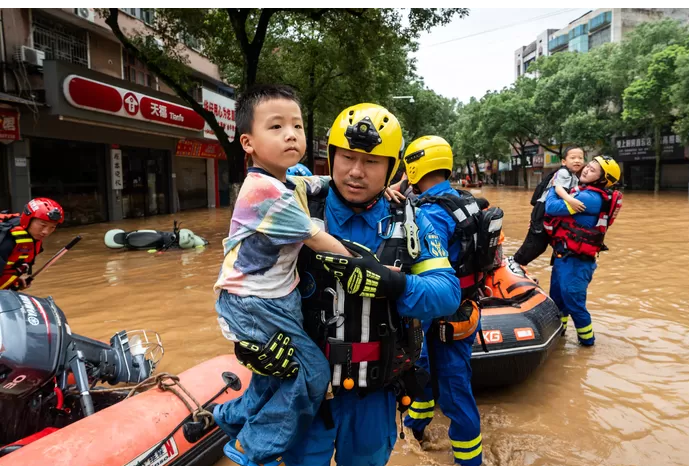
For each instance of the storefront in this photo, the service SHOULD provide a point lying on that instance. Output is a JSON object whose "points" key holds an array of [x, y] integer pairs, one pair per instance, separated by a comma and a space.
{"points": [[636, 155], [223, 108], [73, 174], [197, 169], [106, 149], [145, 182], [9, 133]]}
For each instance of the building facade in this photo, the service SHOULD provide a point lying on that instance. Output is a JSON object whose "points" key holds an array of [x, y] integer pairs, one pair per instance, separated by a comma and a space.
{"points": [[94, 129], [634, 153]]}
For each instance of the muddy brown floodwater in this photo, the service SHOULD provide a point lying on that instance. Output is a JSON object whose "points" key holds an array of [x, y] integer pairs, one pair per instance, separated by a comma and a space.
{"points": [[623, 402]]}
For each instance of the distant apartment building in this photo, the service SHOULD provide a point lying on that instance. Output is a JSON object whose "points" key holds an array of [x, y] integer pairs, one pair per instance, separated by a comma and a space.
{"points": [[589, 31], [634, 153]]}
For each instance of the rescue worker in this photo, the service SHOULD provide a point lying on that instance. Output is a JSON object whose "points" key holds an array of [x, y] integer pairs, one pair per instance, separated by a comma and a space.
{"points": [[577, 239], [428, 163], [21, 238], [363, 314]]}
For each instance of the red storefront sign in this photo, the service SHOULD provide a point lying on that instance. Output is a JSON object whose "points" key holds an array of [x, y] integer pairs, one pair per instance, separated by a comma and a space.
{"points": [[9, 124], [95, 96], [206, 150]]}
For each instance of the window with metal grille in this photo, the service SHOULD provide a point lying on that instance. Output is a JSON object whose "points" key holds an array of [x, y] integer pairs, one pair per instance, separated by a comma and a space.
{"points": [[60, 41]]}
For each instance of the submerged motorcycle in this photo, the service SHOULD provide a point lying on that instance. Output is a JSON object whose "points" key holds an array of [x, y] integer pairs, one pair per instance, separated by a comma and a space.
{"points": [[154, 239]]}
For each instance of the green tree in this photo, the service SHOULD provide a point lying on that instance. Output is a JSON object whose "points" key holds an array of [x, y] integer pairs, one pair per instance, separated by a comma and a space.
{"points": [[428, 114], [475, 139], [237, 40], [510, 115], [680, 98], [648, 101], [574, 100], [633, 55]]}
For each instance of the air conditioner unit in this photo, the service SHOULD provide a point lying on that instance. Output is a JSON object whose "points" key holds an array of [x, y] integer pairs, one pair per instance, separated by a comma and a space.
{"points": [[28, 55], [85, 13]]}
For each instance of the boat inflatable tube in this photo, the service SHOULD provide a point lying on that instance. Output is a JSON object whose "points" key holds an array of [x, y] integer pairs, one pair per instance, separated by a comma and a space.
{"points": [[521, 325]]}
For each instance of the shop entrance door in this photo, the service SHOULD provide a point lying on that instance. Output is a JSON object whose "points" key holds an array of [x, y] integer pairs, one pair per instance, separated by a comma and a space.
{"points": [[642, 176], [145, 182]]}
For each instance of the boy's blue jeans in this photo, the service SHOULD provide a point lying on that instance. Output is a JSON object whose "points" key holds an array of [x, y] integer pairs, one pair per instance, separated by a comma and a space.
{"points": [[272, 413]]}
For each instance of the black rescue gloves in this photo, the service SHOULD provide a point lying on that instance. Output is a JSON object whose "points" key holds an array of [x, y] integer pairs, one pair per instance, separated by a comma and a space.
{"points": [[274, 358], [363, 276]]}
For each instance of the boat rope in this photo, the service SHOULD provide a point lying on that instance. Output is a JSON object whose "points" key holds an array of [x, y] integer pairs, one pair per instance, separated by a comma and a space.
{"points": [[168, 382], [159, 379]]}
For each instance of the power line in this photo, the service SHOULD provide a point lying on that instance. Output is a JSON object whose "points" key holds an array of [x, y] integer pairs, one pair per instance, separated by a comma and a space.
{"points": [[536, 18]]}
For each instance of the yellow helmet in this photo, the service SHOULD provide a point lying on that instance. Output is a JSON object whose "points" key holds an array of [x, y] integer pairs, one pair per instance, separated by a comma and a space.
{"points": [[369, 129], [611, 170], [425, 155]]}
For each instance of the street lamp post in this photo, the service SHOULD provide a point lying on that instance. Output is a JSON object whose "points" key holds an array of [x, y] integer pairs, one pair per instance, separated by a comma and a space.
{"points": [[409, 97]]}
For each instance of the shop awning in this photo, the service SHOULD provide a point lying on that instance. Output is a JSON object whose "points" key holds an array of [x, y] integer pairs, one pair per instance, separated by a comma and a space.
{"points": [[17, 100]]}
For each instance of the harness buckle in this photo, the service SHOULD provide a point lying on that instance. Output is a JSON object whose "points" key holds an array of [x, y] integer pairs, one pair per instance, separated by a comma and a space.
{"points": [[337, 317], [390, 229]]}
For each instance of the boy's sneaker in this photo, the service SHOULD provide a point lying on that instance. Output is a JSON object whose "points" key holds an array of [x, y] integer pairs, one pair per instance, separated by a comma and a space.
{"points": [[234, 451]]}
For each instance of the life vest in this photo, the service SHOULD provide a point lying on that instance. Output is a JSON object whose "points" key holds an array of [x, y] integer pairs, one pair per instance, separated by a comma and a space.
{"points": [[364, 339], [24, 252], [478, 232], [575, 239]]}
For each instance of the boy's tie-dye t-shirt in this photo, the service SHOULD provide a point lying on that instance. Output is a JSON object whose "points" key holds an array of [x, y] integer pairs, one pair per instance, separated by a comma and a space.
{"points": [[269, 224]]}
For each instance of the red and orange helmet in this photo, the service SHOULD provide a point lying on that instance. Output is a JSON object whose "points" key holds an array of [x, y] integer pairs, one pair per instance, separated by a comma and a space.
{"points": [[44, 209]]}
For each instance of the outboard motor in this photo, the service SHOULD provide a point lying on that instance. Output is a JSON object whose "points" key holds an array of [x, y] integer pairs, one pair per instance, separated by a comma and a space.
{"points": [[37, 353]]}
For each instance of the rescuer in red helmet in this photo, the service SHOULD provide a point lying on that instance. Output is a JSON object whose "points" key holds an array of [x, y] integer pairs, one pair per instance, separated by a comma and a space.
{"points": [[21, 236]]}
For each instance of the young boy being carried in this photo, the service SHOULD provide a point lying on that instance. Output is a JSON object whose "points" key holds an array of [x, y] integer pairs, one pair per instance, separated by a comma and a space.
{"points": [[258, 300], [563, 181]]}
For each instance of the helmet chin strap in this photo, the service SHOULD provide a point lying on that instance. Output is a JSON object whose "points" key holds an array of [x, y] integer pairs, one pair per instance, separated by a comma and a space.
{"points": [[356, 205]]}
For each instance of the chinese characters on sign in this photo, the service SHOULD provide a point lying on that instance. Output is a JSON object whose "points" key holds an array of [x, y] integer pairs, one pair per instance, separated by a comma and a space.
{"points": [[116, 163], [9, 124], [223, 109], [206, 150], [642, 148], [96, 96]]}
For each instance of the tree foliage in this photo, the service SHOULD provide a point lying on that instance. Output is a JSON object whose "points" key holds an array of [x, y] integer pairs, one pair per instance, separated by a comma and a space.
{"points": [[334, 57], [640, 85]]}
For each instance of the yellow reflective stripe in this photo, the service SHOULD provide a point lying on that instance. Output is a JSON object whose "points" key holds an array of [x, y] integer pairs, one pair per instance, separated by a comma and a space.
{"points": [[430, 264], [569, 208], [19, 233], [564, 319], [586, 336], [460, 455], [10, 262], [469, 444], [416, 415], [423, 404], [23, 257], [8, 282], [25, 240], [586, 329]]}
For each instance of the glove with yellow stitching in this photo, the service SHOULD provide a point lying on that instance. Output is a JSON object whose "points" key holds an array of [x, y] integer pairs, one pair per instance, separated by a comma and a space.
{"points": [[274, 358], [363, 276]]}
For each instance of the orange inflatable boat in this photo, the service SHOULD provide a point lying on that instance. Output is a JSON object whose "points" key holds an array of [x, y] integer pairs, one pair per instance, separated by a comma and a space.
{"points": [[520, 326], [54, 414]]}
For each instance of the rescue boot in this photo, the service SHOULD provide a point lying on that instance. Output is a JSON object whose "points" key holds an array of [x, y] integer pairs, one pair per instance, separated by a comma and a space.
{"points": [[418, 435]]}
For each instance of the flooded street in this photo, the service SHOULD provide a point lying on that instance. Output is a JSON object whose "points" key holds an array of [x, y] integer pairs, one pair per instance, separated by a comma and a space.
{"points": [[623, 402]]}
